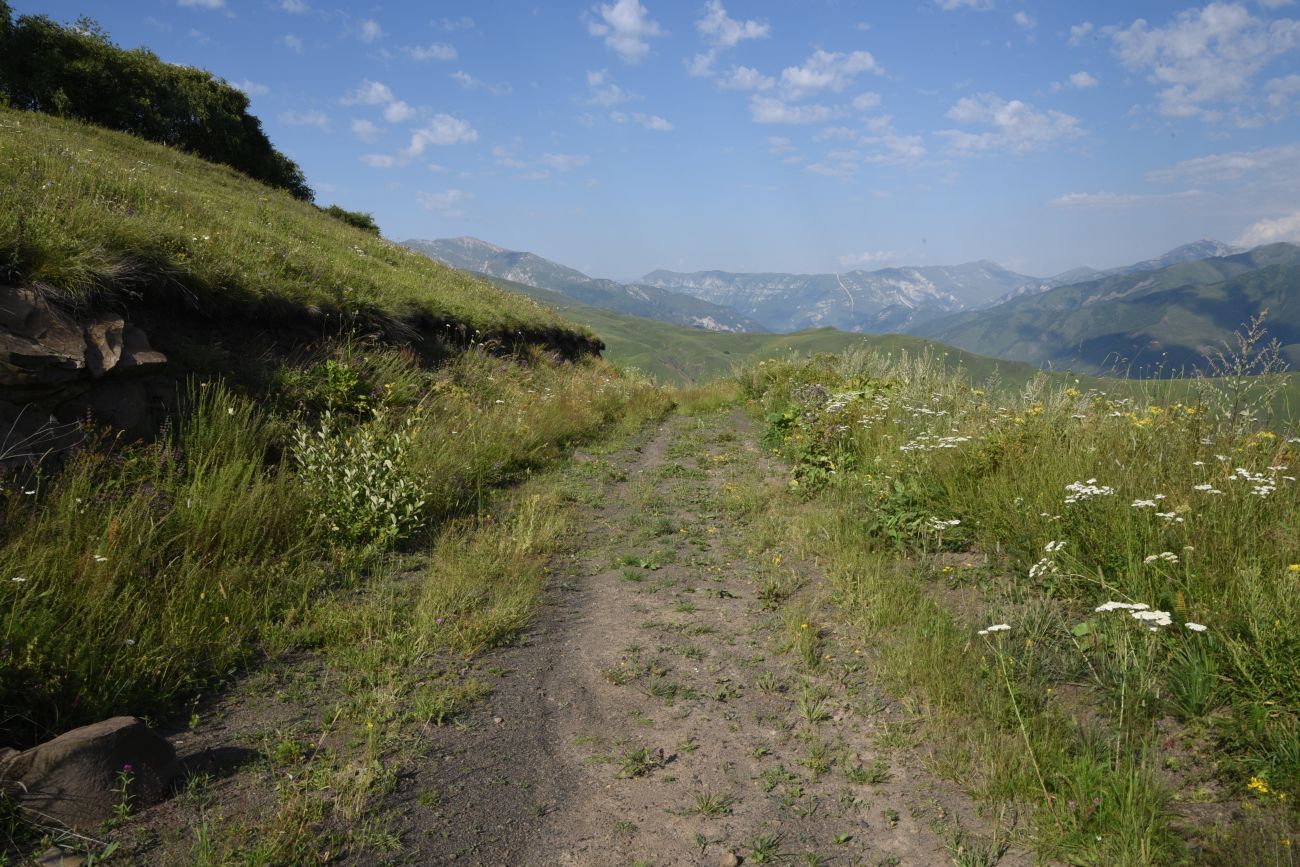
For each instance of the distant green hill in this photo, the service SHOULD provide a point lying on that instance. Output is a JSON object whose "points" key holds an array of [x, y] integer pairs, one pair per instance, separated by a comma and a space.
{"points": [[1144, 323], [677, 354]]}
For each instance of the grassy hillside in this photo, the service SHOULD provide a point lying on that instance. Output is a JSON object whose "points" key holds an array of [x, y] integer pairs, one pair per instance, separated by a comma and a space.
{"points": [[90, 213], [1147, 322]]}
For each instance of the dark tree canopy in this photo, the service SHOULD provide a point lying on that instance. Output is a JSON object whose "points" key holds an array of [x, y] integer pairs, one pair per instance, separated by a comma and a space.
{"points": [[76, 71]]}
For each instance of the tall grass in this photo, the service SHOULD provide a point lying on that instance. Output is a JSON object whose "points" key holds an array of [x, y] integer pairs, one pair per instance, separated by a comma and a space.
{"points": [[90, 212], [133, 577], [1080, 498]]}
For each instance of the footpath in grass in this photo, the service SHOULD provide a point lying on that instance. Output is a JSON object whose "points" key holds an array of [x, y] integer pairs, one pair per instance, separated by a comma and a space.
{"points": [[682, 694]]}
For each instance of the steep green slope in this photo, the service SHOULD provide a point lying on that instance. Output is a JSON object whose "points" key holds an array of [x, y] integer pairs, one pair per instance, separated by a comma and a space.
{"points": [[95, 216], [1140, 322]]}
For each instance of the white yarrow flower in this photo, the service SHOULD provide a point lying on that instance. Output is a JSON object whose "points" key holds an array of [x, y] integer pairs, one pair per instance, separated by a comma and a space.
{"points": [[1195, 627]]}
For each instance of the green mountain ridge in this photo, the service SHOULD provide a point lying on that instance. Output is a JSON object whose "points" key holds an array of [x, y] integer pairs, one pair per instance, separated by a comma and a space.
{"points": [[1146, 323]]}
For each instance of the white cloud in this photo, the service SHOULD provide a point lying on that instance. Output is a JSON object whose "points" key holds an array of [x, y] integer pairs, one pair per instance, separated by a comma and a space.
{"points": [[366, 131], [649, 121], [447, 203], [398, 111], [892, 147], [866, 101], [1275, 4], [295, 7], [652, 122], [1285, 228], [1278, 162], [565, 162], [1082, 80], [305, 118], [369, 93], [436, 51], [950, 5], [378, 161], [1079, 32], [252, 88], [746, 78], [293, 43], [722, 32], [451, 25], [767, 109], [202, 4], [442, 129], [1205, 57], [469, 82], [779, 145], [1024, 20], [1118, 200], [826, 70], [843, 169], [726, 32], [870, 257], [369, 31], [1016, 126], [625, 26], [604, 91], [503, 157], [1281, 92]]}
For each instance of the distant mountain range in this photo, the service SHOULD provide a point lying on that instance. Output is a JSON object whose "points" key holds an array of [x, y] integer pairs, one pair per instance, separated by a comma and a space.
{"points": [[1161, 313], [891, 299], [1139, 320], [471, 254]]}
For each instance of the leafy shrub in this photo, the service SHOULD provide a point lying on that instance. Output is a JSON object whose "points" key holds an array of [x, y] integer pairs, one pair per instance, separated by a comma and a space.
{"points": [[78, 72], [360, 219], [360, 481]]}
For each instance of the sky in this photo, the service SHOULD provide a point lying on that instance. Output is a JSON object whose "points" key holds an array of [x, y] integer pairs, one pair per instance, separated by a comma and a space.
{"points": [[769, 135]]}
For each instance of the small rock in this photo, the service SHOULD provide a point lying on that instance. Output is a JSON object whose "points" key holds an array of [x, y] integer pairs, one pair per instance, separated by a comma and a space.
{"points": [[498, 720], [56, 857], [75, 779], [728, 859]]}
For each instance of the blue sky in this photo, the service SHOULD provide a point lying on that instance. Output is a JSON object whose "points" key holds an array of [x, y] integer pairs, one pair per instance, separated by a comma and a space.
{"points": [[817, 135]]}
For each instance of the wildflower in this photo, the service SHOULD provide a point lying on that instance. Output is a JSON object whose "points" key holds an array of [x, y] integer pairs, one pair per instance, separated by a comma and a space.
{"points": [[1195, 627], [19, 578], [1258, 784], [1053, 547], [369, 724], [1208, 489], [997, 627], [1159, 618], [1167, 556], [1294, 567], [130, 642], [1121, 606], [100, 558], [803, 625], [1080, 491]]}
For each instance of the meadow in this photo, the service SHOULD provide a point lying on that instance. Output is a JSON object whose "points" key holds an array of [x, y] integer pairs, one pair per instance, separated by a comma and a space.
{"points": [[1087, 597]]}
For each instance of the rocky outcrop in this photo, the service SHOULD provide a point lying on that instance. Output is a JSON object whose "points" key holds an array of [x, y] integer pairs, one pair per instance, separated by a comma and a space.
{"points": [[82, 777], [55, 368]]}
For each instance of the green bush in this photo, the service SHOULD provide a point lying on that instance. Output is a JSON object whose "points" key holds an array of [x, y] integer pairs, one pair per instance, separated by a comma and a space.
{"points": [[360, 219], [360, 483], [76, 71]]}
